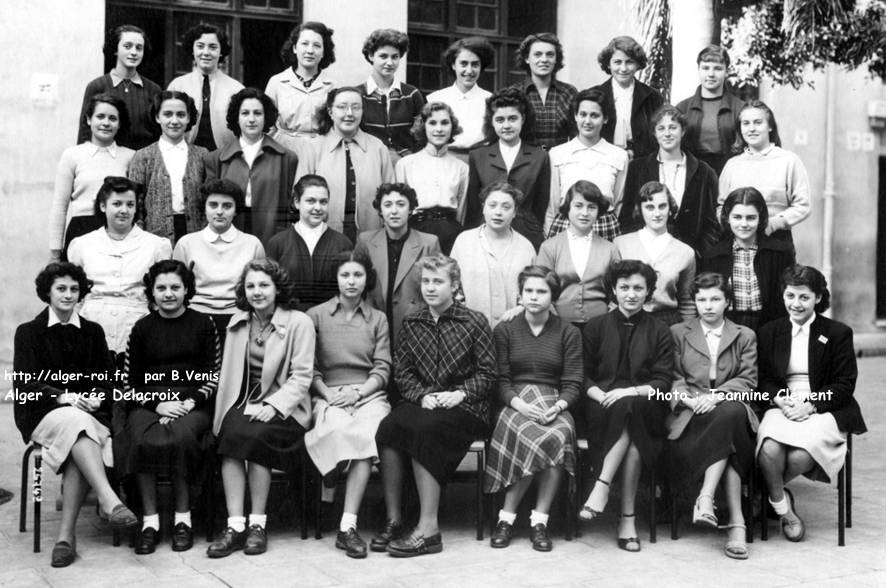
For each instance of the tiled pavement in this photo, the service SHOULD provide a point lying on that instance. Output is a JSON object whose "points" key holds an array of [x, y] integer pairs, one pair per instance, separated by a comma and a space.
{"points": [[696, 559]]}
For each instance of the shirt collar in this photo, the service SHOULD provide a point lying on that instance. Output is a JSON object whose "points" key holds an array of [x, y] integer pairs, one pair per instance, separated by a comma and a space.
{"points": [[111, 149], [372, 87], [682, 161], [736, 246], [718, 332], [574, 237], [336, 305], [211, 236], [763, 153], [617, 90], [54, 320], [166, 146], [116, 79], [336, 140], [400, 240], [303, 229], [804, 328]]}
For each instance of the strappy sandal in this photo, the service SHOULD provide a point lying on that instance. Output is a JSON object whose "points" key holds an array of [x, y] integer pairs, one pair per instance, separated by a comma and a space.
{"points": [[704, 518], [737, 548], [631, 544], [587, 513]]}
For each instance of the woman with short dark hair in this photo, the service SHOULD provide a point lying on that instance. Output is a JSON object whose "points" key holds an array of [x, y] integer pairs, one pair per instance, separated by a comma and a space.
{"points": [[262, 167], [70, 423], [208, 85]]}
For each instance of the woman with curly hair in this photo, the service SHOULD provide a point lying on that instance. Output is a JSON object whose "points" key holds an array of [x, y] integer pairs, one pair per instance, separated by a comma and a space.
{"points": [[209, 86], [262, 167], [263, 407], [390, 106], [300, 90], [440, 179], [172, 364]]}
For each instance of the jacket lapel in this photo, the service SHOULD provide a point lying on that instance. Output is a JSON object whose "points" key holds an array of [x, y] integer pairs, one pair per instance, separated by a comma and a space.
{"points": [[377, 243], [816, 352], [695, 338], [782, 347], [411, 251]]}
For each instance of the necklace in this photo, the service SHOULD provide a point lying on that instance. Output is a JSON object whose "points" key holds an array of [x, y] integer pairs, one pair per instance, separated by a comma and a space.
{"points": [[260, 336]]}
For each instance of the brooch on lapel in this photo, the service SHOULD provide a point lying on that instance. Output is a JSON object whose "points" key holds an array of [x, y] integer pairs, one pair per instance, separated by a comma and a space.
{"points": [[822, 339]]}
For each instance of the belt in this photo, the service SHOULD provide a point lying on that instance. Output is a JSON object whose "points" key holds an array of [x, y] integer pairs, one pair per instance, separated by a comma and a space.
{"points": [[433, 213]]}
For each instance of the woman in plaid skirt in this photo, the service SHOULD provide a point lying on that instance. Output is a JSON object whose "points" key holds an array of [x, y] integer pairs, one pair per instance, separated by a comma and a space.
{"points": [[539, 376]]}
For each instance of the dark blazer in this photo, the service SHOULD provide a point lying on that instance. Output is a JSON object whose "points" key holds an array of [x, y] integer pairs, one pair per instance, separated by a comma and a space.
{"points": [[531, 174], [651, 353], [696, 222], [646, 101], [43, 354], [272, 175], [832, 367], [406, 297], [772, 258]]}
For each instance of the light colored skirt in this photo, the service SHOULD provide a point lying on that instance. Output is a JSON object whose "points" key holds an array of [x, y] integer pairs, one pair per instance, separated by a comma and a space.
{"points": [[818, 435], [116, 315], [59, 430], [344, 434]]}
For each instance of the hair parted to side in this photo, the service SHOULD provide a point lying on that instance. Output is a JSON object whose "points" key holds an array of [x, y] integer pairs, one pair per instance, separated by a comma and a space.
{"points": [[163, 96], [806, 275], [748, 196], [401, 188], [438, 262], [169, 266], [509, 97], [192, 34], [232, 117], [286, 298], [627, 45], [288, 55], [382, 38], [419, 127], [363, 259], [624, 269], [61, 269], [707, 280], [522, 52], [547, 274]]}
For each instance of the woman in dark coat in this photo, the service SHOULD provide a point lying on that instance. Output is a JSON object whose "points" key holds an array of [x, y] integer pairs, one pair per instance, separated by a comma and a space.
{"points": [[808, 370], [750, 260], [68, 420], [629, 366]]}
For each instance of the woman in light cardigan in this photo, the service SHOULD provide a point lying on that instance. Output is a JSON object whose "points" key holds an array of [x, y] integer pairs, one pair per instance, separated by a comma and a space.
{"points": [[672, 260]]}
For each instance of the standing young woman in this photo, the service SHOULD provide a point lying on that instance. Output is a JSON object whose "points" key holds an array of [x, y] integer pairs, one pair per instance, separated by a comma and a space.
{"points": [[300, 90], [467, 58], [713, 434], [440, 179], [261, 166], [353, 162], [171, 170], [82, 169], [445, 369], [71, 424], [752, 259], [540, 55], [672, 260], [172, 359], [807, 366], [540, 375], [692, 183], [588, 157], [308, 248], [580, 257], [390, 106], [511, 157], [128, 43], [116, 257], [492, 256], [629, 358], [351, 371], [217, 253], [210, 87], [263, 406], [712, 111], [778, 174], [634, 101]]}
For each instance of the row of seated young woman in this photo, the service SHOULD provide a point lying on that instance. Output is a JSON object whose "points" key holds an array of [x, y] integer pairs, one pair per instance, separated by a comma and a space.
{"points": [[327, 382]]}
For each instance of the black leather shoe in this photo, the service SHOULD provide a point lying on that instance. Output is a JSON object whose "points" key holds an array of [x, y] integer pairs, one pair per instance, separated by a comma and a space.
{"points": [[63, 554], [229, 542], [501, 537], [416, 545], [539, 537], [389, 532], [256, 540], [147, 541], [182, 537], [352, 543]]}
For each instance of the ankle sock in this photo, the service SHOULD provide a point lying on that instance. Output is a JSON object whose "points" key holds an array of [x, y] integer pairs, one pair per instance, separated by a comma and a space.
{"points": [[508, 517], [348, 521], [258, 519], [183, 517], [237, 523], [536, 518], [151, 522], [781, 507]]}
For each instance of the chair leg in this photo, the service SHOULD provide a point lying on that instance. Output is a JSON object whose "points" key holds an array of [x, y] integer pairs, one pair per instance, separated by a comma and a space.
{"points": [[22, 495], [841, 507], [848, 467], [652, 501], [571, 507], [303, 496], [674, 530], [579, 492], [38, 498], [481, 467], [748, 507], [764, 519]]}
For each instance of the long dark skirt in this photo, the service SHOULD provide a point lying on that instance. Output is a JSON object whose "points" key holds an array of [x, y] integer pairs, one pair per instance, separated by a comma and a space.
{"points": [[723, 433], [437, 439], [276, 444], [644, 419], [176, 448]]}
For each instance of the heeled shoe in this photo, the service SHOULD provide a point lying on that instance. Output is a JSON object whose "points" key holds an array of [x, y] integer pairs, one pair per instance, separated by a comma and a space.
{"points": [[589, 513], [631, 544], [737, 548], [704, 518]]}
